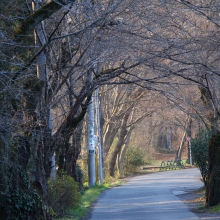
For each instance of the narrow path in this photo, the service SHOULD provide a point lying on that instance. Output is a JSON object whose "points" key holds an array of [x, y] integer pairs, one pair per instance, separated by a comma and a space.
{"points": [[149, 197]]}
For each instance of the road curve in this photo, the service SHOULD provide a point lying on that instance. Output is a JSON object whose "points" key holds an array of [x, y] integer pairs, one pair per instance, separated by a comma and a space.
{"points": [[149, 197]]}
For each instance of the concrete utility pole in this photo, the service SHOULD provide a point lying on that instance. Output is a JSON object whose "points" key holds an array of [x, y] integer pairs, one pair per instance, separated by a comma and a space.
{"points": [[99, 135], [91, 144]]}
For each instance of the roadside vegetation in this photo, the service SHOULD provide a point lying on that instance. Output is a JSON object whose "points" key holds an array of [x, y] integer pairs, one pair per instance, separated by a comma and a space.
{"points": [[200, 154], [67, 201], [89, 196], [135, 160]]}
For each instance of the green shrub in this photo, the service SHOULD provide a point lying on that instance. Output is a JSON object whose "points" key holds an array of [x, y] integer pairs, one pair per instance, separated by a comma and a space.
{"points": [[200, 152], [134, 158], [63, 194]]}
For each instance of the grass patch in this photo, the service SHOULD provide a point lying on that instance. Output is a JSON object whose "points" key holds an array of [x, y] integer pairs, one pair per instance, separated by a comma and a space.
{"points": [[215, 208], [89, 196]]}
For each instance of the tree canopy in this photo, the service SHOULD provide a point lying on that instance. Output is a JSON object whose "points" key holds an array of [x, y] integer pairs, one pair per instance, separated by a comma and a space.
{"points": [[148, 58]]}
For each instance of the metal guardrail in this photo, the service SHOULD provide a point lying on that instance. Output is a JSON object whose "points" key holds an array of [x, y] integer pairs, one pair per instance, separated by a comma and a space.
{"points": [[171, 165]]}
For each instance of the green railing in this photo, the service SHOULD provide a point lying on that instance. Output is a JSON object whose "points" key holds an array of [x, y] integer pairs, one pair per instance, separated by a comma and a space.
{"points": [[171, 165]]}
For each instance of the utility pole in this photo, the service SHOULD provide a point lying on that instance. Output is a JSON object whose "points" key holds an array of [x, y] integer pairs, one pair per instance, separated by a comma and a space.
{"points": [[91, 144], [99, 135]]}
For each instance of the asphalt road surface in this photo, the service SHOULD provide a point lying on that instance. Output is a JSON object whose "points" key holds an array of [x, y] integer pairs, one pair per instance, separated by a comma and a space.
{"points": [[149, 197]]}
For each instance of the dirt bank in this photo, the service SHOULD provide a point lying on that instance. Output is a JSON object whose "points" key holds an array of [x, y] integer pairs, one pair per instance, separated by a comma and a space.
{"points": [[195, 200]]}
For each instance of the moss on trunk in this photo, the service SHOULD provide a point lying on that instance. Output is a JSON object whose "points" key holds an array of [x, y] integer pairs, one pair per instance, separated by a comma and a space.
{"points": [[24, 27]]}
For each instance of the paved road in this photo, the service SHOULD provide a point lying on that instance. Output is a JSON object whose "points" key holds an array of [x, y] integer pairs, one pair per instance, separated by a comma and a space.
{"points": [[149, 197]]}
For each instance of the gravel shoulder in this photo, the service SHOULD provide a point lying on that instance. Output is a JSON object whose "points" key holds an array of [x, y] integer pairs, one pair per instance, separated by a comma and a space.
{"points": [[195, 201]]}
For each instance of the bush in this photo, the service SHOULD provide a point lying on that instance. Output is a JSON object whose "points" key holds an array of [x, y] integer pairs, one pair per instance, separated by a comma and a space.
{"points": [[63, 194], [200, 152], [134, 158]]}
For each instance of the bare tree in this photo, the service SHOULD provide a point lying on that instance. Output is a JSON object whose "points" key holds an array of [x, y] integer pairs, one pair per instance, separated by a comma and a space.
{"points": [[161, 46]]}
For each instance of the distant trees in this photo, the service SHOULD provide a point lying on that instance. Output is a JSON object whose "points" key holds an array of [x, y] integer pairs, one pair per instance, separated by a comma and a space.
{"points": [[119, 119]]}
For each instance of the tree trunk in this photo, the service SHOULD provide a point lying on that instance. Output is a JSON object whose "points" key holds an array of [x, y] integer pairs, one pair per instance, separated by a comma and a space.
{"points": [[72, 155], [120, 143], [43, 165], [213, 179], [122, 155], [109, 137], [213, 182], [180, 149], [187, 133]]}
